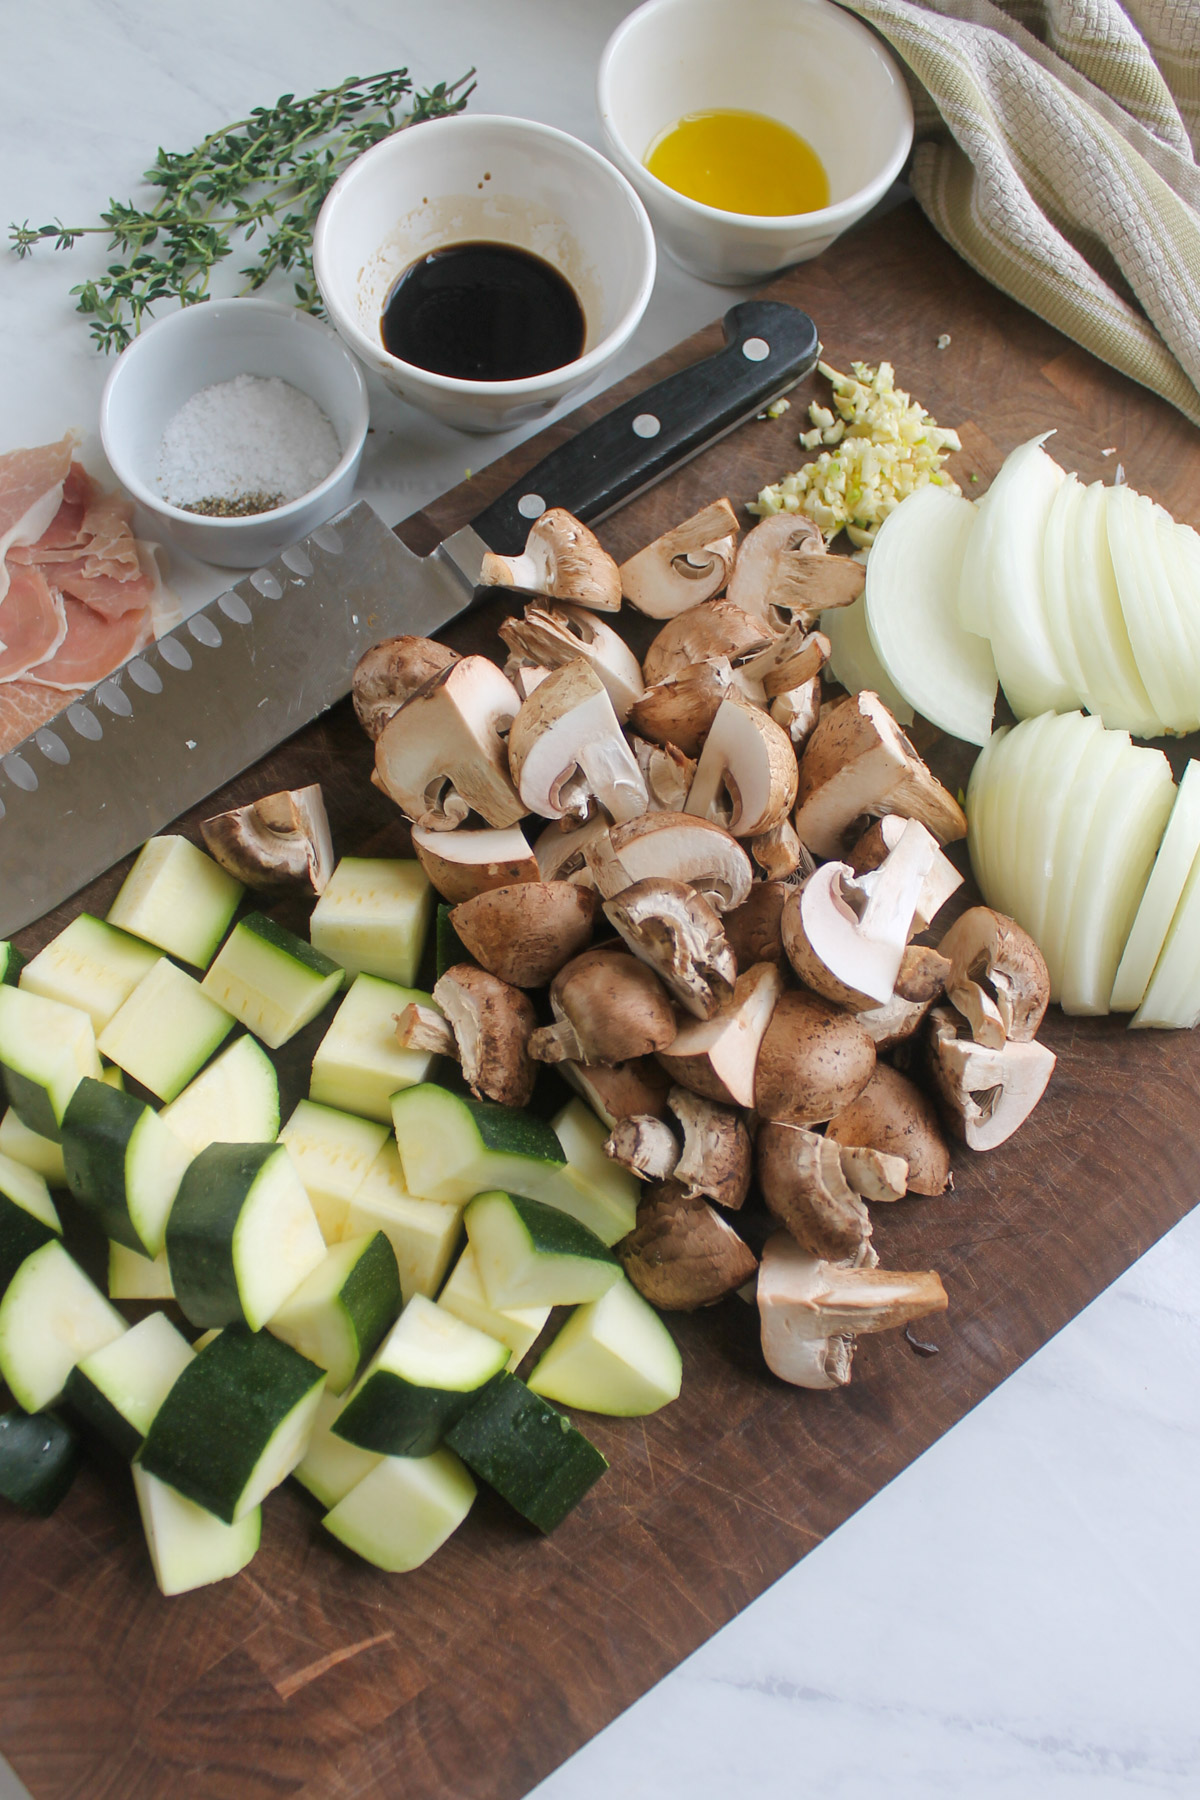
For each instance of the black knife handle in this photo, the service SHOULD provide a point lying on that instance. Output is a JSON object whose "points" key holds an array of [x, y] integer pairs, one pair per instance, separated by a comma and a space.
{"points": [[769, 347]]}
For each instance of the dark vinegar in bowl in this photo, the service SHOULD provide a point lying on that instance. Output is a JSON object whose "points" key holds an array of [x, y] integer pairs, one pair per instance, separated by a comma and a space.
{"points": [[483, 312]]}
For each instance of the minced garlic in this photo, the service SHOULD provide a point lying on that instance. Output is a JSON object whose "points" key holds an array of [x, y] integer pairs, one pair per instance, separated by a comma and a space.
{"points": [[881, 447]]}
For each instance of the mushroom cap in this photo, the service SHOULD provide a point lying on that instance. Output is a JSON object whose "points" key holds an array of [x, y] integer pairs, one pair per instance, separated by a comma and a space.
{"points": [[805, 1296], [858, 761], [680, 709], [681, 1254], [717, 628], [685, 566], [622, 1090], [617, 1007], [717, 1057], [789, 661], [678, 934], [676, 847], [461, 864], [894, 1022], [717, 1157], [746, 777], [993, 960], [753, 928], [986, 1093], [492, 1024], [553, 635], [279, 841], [814, 1060], [389, 673], [782, 572], [563, 560], [523, 934], [566, 750], [893, 1115], [442, 755], [923, 974], [802, 1181]]}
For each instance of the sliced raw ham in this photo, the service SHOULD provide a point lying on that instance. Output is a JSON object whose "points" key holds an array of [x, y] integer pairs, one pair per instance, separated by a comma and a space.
{"points": [[24, 708], [64, 535], [93, 646], [90, 537], [110, 595], [31, 488], [32, 622]]}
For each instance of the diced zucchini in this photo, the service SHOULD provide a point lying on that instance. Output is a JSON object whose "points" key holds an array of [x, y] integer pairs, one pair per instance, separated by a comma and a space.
{"points": [[135, 1277], [530, 1254], [333, 1152], [51, 1316], [189, 1547], [11, 963], [123, 1165], [404, 1510], [271, 979], [330, 1466], [241, 1236], [339, 1316], [595, 1190], [46, 1049], [453, 1148], [113, 1077], [28, 1216], [32, 1149], [39, 1459], [178, 898], [234, 1101], [90, 965], [423, 1233], [421, 1379], [235, 1423], [517, 1326], [119, 1389], [612, 1356], [359, 1065], [373, 917], [166, 1031], [528, 1451]]}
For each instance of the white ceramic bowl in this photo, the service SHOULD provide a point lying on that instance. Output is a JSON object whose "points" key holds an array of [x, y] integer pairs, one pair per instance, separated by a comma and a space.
{"points": [[804, 62], [484, 178], [199, 345]]}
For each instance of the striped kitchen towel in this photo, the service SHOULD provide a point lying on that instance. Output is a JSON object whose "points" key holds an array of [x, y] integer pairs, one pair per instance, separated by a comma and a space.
{"points": [[1056, 151]]}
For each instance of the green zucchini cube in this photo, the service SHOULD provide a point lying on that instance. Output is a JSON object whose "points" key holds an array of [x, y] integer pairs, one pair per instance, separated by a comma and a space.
{"points": [[452, 1148], [166, 1031], [189, 1546], [340, 1313], [333, 1152], [90, 965], [235, 1100], [530, 1254], [46, 1049], [373, 917], [517, 1326], [28, 1216], [178, 898], [359, 1065], [123, 1165], [612, 1356], [11, 963], [50, 1317], [424, 1234], [330, 1466], [424, 1376], [31, 1149], [594, 1189], [529, 1452], [403, 1510], [118, 1390], [39, 1459], [271, 980], [135, 1277]]}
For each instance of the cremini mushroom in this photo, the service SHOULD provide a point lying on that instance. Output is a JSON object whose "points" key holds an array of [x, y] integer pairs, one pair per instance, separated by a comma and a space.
{"points": [[893, 1115], [489, 1024], [443, 755], [680, 709], [714, 1160], [877, 843], [986, 1093], [746, 776], [524, 676], [717, 1057], [644, 1145], [563, 560], [682, 1254], [686, 566], [622, 1090], [797, 711], [814, 1060], [677, 847], [567, 752], [667, 772], [998, 978], [674, 930], [923, 974], [789, 661], [872, 1173], [753, 928], [811, 1310], [525, 933], [893, 1022], [461, 864], [607, 1007], [280, 841], [858, 761], [390, 673], [782, 572], [560, 849], [777, 852], [805, 1189], [550, 636], [715, 629]]}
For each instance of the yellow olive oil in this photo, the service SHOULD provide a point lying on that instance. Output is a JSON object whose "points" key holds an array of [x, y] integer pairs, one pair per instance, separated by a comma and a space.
{"points": [[741, 162]]}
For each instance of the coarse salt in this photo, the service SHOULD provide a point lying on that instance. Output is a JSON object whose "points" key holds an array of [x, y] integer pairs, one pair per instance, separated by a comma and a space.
{"points": [[252, 436]]}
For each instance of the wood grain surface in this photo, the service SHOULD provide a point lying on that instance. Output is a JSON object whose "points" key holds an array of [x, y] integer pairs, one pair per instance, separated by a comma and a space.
{"points": [[314, 1677]]}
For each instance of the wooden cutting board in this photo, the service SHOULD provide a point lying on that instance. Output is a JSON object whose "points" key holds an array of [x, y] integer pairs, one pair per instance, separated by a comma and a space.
{"points": [[313, 1676]]}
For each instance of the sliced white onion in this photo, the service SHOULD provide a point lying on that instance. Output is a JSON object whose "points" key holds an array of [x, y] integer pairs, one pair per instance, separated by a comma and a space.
{"points": [[1160, 645], [1148, 934], [914, 572], [1172, 999], [1112, 685], [981, 806], [1008, 892], [1047, 846], [1059, 560], [1089, 794], [854, 663]]}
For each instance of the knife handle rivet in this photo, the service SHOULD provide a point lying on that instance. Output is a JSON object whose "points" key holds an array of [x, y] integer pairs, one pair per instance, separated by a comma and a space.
{"points": [[143, 676], [114, 698], [531, 506], [85, 722], [204, 631], [756, 349], [52, 747], [296, 558], [235, 608], [646, 425], [175, 654], [266, 584], [20, 773]]}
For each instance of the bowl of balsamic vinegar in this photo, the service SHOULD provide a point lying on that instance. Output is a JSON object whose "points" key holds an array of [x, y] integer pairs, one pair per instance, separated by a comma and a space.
{"points": [[484, 267]]}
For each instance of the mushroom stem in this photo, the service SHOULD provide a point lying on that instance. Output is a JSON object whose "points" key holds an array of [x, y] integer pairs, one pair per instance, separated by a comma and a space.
{"points": [[421, 1027], [644, 1145]]}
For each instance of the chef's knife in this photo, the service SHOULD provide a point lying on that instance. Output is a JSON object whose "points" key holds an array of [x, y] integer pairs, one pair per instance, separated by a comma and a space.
{"points": [[242, 674]]}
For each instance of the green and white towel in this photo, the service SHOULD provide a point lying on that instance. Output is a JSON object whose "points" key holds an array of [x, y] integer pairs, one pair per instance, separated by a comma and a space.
{"points": [[1056, 151]]}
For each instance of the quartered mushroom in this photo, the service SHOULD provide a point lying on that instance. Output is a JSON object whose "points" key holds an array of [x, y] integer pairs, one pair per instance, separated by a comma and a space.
{"points": [[893, 1022], [782, 572], [923, 974], [443, 755], [607, 1007], [811, 1311], [525, 933], [878, 842], [280, 841], [620, 1090], [986, 1093], [814, 1060], [390, 673], [715, 629], [667, 772], [687, 565], [560, 849], [644, 1145], [681, 708], [489, 1024], [753, 928], [858, 761], [563, 560], [674, 930], [746, 777], [789, 661], [677, 848], [806, 1190], [998, 977], [567, 752], [682, 1254], [717, 1057], [891, 1114], [463, 863], [549, 636], [714, 1159], [798, 711]]}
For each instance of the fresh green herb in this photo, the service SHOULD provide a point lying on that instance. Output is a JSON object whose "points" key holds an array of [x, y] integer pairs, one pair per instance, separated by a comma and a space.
{"points": [[269, 173]]}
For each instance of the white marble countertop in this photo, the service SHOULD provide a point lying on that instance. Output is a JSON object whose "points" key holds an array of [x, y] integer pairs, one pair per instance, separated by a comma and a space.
{"points": [[1015, 1617]]}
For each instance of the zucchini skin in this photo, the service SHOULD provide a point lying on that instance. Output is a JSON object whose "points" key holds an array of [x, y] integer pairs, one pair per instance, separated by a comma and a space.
{"points": [[555, 1233], [97, 1411], [371, 1297], [210, 1431], [11, 963], [397, 1418], [31, 1103], [200, 1232], [39, 1459], [20, 1235], [528, 1451], [96, 1130]]}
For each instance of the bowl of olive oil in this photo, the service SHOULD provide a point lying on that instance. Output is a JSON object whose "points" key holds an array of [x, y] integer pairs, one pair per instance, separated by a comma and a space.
{"points": [[755, 132]]}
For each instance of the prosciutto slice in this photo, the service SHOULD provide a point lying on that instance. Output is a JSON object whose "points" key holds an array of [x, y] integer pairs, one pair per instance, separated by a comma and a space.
{"points": [[31, 491], [92, 647], [25, 707], [33, 622], [90, 539]]}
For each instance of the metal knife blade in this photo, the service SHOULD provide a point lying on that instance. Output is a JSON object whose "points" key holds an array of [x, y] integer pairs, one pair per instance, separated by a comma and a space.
{"points": [[200, 705]]}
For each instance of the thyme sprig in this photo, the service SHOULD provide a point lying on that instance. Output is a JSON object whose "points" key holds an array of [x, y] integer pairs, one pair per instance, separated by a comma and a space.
{"points": [[267, 174]]}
